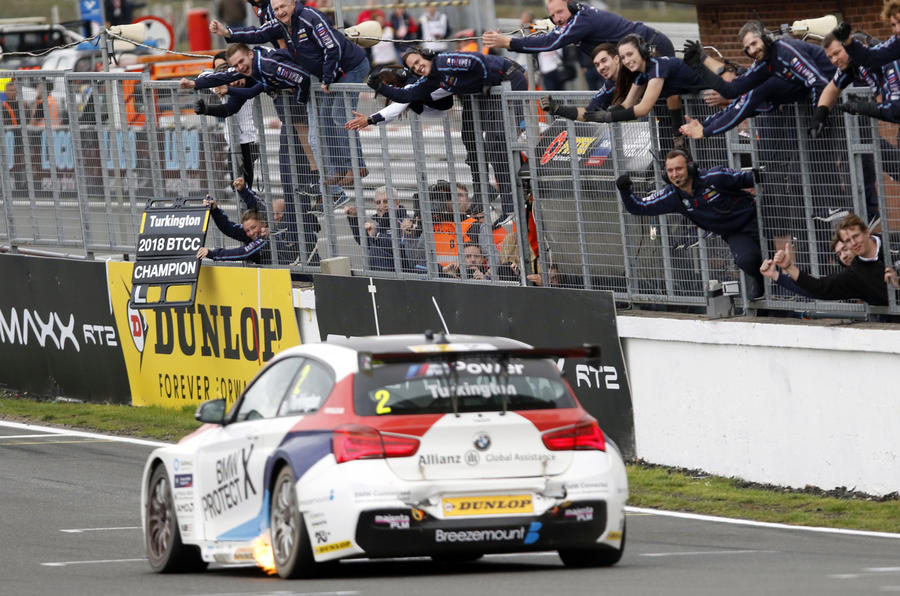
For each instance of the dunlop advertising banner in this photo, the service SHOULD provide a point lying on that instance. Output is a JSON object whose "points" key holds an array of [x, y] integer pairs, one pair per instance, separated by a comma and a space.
{"points": [[186, 355]]}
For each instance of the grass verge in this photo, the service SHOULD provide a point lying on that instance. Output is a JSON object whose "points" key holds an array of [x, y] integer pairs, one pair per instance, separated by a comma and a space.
{"points": [[651, 486]]}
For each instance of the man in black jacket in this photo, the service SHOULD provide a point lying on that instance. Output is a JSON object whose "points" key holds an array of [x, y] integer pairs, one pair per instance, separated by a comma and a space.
{"points": [[864, 279]]}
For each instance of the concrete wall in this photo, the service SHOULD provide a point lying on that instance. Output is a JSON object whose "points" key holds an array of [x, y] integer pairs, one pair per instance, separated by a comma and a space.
{"points": [[792, 405]]}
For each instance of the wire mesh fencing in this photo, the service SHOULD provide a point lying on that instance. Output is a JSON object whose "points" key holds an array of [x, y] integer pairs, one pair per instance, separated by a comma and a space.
{"points": [[419, 193]]}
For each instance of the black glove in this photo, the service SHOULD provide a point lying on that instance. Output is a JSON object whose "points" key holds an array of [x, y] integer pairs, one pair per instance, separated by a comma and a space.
{"points": [[842, 32], [860, 108], [549, 105], [598, 116], [374, 80], [623, 183], [693, 53], [200, 106], [817, 122]]}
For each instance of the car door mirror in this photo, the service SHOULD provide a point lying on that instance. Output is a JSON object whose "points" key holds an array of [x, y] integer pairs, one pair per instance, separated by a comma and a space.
{"points": [[211, 411]]}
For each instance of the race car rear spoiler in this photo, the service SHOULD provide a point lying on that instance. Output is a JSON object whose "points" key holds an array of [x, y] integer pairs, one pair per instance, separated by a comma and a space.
{"points": [[450, 352]]}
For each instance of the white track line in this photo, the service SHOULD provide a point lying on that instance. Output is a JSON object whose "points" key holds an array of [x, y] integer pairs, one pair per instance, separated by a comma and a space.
{"points": [[746, 522], [67, 563], [78, 433], [80, 530]]}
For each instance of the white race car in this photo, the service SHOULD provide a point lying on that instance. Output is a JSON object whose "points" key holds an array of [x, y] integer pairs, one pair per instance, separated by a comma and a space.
{"points": [[394, 446]]}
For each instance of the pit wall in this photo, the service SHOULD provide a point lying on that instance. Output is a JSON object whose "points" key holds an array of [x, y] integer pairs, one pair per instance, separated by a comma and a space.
{"points": [[787, 404]]}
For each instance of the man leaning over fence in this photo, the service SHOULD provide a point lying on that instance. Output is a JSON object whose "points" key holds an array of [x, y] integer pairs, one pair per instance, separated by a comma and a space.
{"points": [[326, 53], [466, 73], [712, 199], [864, 279]]}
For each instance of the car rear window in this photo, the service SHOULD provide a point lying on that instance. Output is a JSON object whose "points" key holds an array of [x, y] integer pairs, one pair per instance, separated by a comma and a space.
{"points": [[478, 386]]}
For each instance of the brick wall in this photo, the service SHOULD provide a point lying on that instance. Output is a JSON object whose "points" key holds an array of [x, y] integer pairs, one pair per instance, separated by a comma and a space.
{"points": [[720, 23]]}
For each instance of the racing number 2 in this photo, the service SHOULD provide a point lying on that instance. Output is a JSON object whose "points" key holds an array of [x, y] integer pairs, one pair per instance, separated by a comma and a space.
{"points": [[382, 395]]}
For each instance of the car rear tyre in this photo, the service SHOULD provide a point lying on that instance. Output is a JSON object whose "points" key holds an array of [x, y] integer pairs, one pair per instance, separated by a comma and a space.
{"points": [[598, 556], [165, 551], [290, 542]]}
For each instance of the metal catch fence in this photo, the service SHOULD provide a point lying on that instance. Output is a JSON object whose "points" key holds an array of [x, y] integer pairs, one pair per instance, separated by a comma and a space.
{"points": [[415, 196]]}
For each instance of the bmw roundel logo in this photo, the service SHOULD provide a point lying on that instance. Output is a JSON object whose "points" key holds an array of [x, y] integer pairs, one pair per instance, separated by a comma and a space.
{"points": [[482, 442]]}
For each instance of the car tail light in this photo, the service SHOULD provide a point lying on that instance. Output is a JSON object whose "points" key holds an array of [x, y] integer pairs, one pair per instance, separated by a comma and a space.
{"points": [[582, 436], [364, 442]]}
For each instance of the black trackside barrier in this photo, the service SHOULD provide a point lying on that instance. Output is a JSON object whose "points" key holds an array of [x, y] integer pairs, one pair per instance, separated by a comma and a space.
{"points": [[551, 318], [58, 335], [171, 231]]}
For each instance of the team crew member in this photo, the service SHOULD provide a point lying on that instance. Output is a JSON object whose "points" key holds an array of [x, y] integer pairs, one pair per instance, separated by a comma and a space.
{"points": [[789, 59], [269, 71], [252, 231], [880, 54], [882, 81], [325, 53], [583, 26], [436, 106], [760, 100], [643, 79], [713, 200], [466, 73], [606, 62]]}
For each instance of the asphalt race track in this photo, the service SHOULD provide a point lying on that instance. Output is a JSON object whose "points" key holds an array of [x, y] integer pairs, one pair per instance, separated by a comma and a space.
{"points": [[71, 525]]}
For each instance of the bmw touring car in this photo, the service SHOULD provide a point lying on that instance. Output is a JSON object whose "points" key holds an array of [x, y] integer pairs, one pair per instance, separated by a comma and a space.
{"points": [[416, 445]]}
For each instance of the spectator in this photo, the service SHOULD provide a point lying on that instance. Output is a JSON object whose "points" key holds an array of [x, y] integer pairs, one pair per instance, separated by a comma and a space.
{"points": [[384, 52], [327, 54], [435, 28], [45, 108], [864, 279], [9, 104], [247, 133], [713, 200], [404, 26], [467, 73], [586, 27], [252, 232], [606, 62], [369, 13], [474, 262], [379, 233], [843, 256]]}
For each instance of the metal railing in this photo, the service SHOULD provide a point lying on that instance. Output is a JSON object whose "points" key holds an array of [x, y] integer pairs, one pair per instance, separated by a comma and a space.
{"points": [[80, 180]]}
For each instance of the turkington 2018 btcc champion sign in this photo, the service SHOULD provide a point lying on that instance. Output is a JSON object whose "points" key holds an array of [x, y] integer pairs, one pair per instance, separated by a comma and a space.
{"points": [[166, 266]]}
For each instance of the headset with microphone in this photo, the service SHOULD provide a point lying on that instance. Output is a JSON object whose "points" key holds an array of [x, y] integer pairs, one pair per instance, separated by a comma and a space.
{"points": [[692, 169]]}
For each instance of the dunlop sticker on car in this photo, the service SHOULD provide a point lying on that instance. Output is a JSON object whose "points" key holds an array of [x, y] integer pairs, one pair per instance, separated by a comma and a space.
{"points": [[488, 505], [334, 546]]}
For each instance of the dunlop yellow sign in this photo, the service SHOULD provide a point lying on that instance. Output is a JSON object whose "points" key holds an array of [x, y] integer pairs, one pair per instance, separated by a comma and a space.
{"points": [[488, 505], [186, 355]]}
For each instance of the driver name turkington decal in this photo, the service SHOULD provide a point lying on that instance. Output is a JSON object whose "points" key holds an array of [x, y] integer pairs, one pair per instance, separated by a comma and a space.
{"points": [[439, 390], [234, 485]]}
